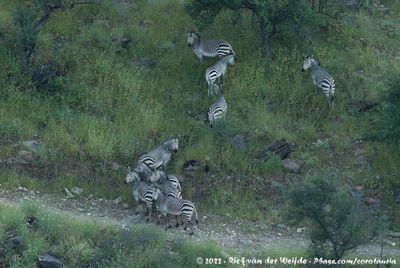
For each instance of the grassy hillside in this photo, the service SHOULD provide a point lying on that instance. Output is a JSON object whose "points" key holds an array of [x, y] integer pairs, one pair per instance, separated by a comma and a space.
{"points": [[115, 103], [86, 243]]}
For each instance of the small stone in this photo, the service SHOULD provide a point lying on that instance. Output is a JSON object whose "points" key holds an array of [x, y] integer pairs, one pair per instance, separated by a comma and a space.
{"points": [[22, 189], [117, 200], [291, 165], [76, 190], [90, 196], [125, 205], [68, 193], [300, 230], [281, 226], [31, 145], [115, 166], [80, 209], [239, 143], [318, 143], [25, 157]]}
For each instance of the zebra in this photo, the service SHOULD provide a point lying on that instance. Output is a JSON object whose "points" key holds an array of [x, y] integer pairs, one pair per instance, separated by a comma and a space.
{"points": [[320, 78], [142, 192], [159, 157], [208, 48], [217, 110], [167, 205], [216, 72]]}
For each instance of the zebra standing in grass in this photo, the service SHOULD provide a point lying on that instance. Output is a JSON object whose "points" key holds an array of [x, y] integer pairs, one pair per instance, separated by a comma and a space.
{"points": [[216, 73], [142, 192], [208, 48], [167, 205], [218, 109], [320, 78], [159, 157]]}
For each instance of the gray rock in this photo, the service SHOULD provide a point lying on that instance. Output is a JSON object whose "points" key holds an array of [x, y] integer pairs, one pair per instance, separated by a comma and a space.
{"points": [[76, 190], [359, 152], [115, 166], [31, 145], [48, 261], [239, 143], [291, 165], [117, 200], [80, 209], [125, 205], [134, 219], [68, 193], [25, 157]]}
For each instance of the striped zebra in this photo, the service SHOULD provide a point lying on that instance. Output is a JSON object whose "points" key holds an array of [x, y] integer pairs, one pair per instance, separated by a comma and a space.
{"points": [[167, 205], [217, 110], [320, 78], [159, 157], [208, 48], [216, 73], [142, 192]]}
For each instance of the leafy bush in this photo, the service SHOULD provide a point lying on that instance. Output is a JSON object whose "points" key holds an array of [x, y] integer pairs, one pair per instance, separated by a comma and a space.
{"points": [[338, 221]]}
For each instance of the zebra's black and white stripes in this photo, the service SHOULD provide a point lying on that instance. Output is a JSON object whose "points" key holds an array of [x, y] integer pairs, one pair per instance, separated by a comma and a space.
{"points": [[321, 79], [208, 48], [217, 110], [217, 71], [167, 205], [159, 157]]}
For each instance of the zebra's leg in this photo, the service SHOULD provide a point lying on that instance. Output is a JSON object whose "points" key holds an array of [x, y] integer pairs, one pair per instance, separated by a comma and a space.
{"points": [[190, 228], [177, 221], [330, 102], [168, 222]]}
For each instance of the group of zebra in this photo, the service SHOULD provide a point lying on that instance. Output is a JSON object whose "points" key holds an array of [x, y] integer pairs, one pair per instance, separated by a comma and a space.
{"points": [[216, 73], [152, 186]]}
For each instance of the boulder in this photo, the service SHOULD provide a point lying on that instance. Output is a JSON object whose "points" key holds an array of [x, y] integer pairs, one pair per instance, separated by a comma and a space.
{"points": [[239, 143], [291, 165], [48, 261], [25, 157]]}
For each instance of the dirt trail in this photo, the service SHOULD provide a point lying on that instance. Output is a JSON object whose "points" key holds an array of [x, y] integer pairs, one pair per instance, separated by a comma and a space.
{"points": [[241, 236]]}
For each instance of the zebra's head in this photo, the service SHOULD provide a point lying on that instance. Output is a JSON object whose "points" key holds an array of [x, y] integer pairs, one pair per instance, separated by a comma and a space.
{"points": [[230, 59], [308, 61], [156, 176], [132, 176], [172, 144], [193, 38], [157, 193]]}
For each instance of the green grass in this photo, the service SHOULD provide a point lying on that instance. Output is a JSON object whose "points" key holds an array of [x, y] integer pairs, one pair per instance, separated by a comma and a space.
{"points": [[108, 107], [82, 242]]}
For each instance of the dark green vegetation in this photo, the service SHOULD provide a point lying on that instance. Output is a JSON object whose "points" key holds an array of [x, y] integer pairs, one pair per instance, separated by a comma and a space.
{"points": [[112, 101], [85, 243], [339, 221]]}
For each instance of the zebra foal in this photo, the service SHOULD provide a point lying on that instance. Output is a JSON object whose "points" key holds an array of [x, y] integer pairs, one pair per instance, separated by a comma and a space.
{"points": [[321, 79], [142, 192], [167, 205], [208, 48]]}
